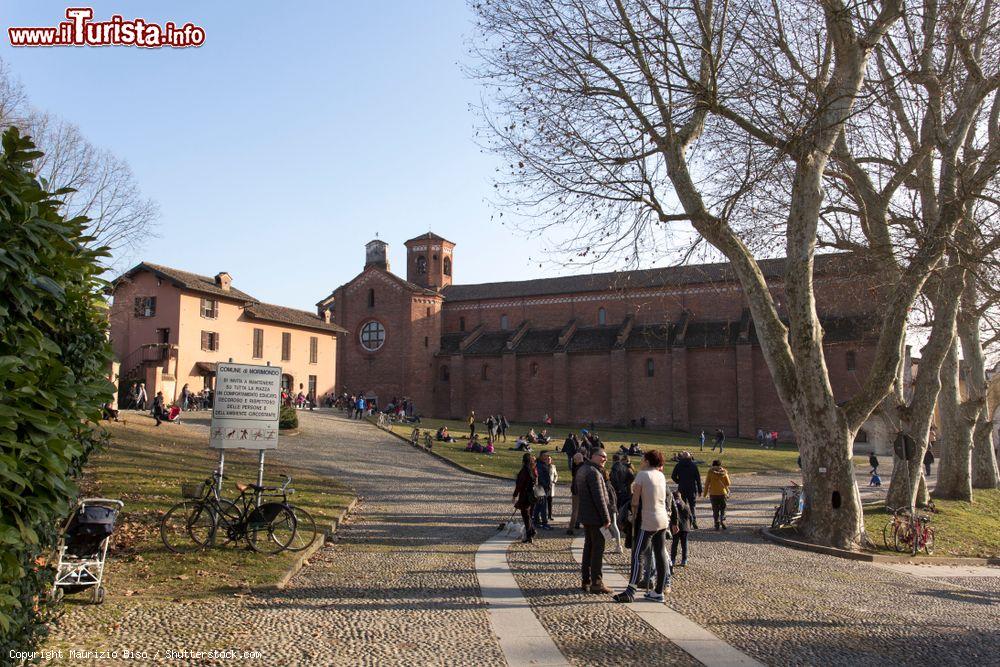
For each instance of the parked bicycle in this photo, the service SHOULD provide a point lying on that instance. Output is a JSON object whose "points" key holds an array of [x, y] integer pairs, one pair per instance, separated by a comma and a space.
{"points": [[907, 531], [790, 507], [206, 518]]}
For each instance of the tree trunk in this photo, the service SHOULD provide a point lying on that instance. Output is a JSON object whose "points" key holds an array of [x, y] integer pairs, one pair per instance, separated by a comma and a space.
{"points": [[984, 462], [923, 495], [955, 460], [985, 474]]}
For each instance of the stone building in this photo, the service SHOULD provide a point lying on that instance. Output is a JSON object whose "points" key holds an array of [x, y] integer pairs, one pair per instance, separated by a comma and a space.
{"points": [[669, 348]]}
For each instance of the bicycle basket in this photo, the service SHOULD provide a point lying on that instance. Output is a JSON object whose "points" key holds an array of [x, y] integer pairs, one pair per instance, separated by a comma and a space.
{"points": [[193, 490]]}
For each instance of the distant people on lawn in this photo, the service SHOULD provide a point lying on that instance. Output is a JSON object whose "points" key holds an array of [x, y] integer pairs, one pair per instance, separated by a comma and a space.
{"points": [[159, 408], [503, 426], [472, 423], [141, 398], [595, 515], [875, 480], [569, 449], [873, 462], [717, 489], [687, 477], [649, 503], [701, 441], [491, 427], [524, 494], [442, 435], [185, 396], [720, 440], [928, 461]]}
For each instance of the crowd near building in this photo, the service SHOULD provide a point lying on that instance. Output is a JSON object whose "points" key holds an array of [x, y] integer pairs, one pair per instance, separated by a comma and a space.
{"points": [[668, 348]]}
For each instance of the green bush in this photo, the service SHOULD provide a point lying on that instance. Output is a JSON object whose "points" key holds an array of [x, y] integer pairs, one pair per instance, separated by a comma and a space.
{"points": [[54, 359], [288, 418]]}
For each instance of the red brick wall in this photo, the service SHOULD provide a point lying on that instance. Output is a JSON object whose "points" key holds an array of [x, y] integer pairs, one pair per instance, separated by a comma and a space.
{"points": [[588, 390], [534, 397], [649, 397], [712, 389]]}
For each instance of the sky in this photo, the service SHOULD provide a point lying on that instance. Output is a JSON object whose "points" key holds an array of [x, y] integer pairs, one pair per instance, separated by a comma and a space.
{"points": [[293, 136]]}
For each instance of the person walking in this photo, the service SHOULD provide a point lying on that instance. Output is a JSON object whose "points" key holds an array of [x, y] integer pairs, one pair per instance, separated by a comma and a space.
{"points": [[649, 492], [595, 515], [543, 505], [569, 449], [873, 462], [159, 408], [928, 461], [491, 427], [717, 489], [524, 494], [185, 396], [141, 397], [687, 477], [472, 424], [682, 522], [574, 468], [701, 441], [720, 440], [504, 425]]}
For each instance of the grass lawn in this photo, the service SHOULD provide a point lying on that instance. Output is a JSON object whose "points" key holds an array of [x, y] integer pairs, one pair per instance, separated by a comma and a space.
{"points": [[741, 455], [144, 467], [960, 528]]}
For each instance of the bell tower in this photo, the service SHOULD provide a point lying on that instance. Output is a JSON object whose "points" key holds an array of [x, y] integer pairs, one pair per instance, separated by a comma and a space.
{"points": [[377, 254], [429, 261]]}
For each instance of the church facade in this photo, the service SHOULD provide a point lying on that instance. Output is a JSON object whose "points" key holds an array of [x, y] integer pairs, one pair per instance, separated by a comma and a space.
{"points": [[670, 348]]}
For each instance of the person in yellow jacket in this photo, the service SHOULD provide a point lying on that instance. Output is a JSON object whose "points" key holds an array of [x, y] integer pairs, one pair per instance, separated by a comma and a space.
{"points": [[717, 488]]}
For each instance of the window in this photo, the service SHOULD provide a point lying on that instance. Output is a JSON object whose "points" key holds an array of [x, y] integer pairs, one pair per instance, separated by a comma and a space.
{"points": [[504, 322], [447, 266], [486, 371], [428, 312], [461, 324], [312, 387], [602, 316], [862, 436], [210, 308], [851, 360], [445, 374], [286, 346], [650, 368], [427, 341], [209, 341], [534, 369], [372, 336], [313, 349], [258, 343], [421, 265], [371, 298], [145, 306]]}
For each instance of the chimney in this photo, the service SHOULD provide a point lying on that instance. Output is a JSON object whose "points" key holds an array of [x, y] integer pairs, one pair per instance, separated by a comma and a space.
{"points": [[377, 254], [223, 280]]}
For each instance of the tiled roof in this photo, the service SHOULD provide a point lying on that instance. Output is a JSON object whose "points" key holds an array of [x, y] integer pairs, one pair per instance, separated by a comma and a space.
{"points": [[269, 312], [491, 343], [450, 342], [648, 337], [429, 236], [187, 280], [618, 280], [538, 341], [592, 339], [711, 334]]}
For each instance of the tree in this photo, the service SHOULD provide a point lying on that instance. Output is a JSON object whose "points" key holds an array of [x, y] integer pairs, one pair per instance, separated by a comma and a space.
{"points": [[104, 188], [618, 116], [54, 362]]}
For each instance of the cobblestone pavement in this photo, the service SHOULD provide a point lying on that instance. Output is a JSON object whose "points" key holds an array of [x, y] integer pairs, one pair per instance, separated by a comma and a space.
{"points": [[398, 585]]}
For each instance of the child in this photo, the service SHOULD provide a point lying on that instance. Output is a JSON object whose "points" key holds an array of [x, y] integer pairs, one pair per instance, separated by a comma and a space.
{"points": [[876, 480]]}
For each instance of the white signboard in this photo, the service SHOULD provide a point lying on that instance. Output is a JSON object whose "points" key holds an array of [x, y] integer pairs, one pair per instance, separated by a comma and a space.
{"points": [[245, 407]]}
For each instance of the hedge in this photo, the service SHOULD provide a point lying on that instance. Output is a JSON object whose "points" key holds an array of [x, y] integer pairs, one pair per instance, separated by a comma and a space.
{"points": [[54, 362]]}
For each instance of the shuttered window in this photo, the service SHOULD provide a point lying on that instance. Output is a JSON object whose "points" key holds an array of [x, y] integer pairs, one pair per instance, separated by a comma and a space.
{"points": [[286, 346], [258, 343], [210, 308], [210, 341], [313, 349]]}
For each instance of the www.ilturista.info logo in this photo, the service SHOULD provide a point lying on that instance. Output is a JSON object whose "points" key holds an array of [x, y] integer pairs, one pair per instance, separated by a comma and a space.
{"points": [[80, 30]]}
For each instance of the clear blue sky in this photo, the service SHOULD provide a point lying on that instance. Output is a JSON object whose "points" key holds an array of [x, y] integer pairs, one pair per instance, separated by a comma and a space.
{"points": [[297, 132]]}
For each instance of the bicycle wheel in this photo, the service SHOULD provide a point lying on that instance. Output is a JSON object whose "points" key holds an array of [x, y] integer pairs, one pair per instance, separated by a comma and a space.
{"points": [[929, 541], [270, 528], [187, 526], [776, 520], [887, 534], [305, 529], [902, 537], [226, 514]]}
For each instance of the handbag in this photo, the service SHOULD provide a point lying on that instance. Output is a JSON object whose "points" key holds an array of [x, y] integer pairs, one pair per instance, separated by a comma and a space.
{"points": [[538, 491]]}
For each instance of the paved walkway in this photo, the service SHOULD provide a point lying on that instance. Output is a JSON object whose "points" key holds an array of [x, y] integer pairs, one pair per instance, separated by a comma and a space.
{"points": [[399, 586]]}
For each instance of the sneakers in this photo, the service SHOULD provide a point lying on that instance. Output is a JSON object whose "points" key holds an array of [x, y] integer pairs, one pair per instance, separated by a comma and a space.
{"points": [[626, 596], [655, 597], [599, 587]]}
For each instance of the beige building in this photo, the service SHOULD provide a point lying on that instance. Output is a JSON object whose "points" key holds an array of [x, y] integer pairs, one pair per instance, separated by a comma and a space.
{"points": [[170, 328]]}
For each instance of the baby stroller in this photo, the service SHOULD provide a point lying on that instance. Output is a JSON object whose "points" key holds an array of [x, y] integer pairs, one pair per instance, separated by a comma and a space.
{"points": [[83, 548]]}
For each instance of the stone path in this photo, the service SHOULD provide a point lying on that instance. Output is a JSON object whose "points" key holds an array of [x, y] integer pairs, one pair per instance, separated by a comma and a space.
{"points": [[399, 587]]}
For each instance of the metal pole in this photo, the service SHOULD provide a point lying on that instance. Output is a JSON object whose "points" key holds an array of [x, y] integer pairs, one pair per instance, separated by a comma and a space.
{"points": [[260, 472]]}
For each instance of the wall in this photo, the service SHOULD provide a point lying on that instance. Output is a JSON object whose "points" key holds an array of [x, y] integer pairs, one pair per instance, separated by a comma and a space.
{"points": [[129, 332]]}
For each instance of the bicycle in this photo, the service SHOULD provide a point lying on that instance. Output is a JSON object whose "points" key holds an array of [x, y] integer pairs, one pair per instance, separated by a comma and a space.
{"points": [[196, 523], [789, 508], [908, 532], [305, 524]]}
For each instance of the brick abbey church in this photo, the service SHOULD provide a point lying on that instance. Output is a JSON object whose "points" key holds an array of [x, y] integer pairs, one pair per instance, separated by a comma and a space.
{"points": [[669, 348]]}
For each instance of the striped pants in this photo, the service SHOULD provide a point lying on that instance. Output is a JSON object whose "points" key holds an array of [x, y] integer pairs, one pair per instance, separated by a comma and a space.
{"points": [[655, 539]]}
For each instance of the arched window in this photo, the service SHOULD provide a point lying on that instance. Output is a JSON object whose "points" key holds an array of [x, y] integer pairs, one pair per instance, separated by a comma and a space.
{"points": [[534, 369], [445, 374], [650, 368], [371, 298], [447, 266], [421, 264], [851, 360], [486, 371], [504, 322], [602, 316]]}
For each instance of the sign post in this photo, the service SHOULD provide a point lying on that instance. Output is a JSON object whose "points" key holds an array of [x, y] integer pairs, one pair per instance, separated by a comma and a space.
{"points": [[245, 410]]}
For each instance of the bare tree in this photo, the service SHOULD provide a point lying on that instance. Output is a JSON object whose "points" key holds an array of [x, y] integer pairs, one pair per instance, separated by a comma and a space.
{"points": [[615, 114], [104, 188]]}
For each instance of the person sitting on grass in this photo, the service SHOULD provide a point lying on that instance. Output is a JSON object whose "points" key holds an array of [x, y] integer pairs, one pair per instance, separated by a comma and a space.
{"points": [[544, 438], [489, 449], [473, 444], [443, 436], [521, 445], [531, 437], [875, 480]]}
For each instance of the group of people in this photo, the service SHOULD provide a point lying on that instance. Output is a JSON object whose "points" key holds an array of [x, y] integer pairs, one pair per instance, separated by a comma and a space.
{"points": [[496, 426], [623, 501], [299, 401], [195, 400], [767, 439]]}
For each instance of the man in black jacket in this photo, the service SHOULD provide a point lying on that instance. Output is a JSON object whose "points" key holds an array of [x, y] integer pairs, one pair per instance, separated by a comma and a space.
{"points": [[687, 477], [594, 514], [569, 448]]}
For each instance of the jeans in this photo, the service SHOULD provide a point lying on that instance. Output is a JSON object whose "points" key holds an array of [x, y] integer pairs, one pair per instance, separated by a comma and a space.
{"points": [[529, 528], [655, 540], [539, 513], [593, 555], [718, 509], [927, 467], [690, 497], [680, 538]]}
